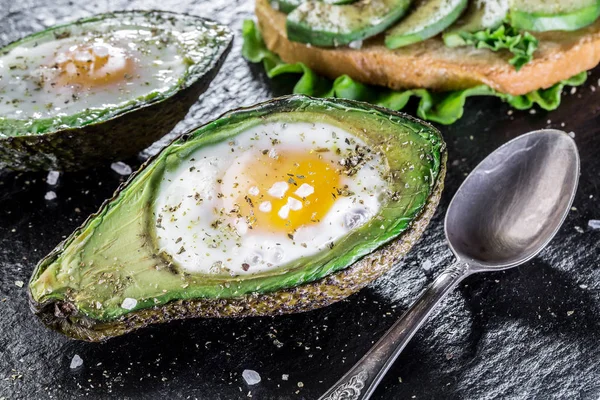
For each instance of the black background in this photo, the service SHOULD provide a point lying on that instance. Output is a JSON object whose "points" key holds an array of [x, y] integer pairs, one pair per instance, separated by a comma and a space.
{"points": [[532, 332]]}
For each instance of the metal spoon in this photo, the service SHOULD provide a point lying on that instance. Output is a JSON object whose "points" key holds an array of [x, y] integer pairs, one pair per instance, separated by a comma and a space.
{"points": [[505, 213]]}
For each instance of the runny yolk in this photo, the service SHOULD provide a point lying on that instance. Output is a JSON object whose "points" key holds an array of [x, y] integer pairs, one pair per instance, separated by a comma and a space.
{"points": [[280, 193], [95, 65]]}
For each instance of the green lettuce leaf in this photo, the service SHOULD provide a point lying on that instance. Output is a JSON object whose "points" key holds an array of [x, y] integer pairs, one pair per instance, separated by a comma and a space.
{"points": [[441, 107], [521, 44]]}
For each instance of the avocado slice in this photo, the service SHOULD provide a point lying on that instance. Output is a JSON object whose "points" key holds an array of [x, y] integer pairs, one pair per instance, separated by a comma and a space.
{"points": [[553, 15], [287, 6], [110, 277], [480, 15], [428, 18], [147, 69], [326, 25]]}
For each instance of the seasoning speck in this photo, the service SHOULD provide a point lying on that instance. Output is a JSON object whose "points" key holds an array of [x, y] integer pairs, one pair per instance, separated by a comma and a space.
{"points": [[19, 283]]}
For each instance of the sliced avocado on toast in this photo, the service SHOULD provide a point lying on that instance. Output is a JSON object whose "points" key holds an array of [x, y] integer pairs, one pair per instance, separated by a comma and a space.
{"points": [[553, 15], [81, 95], [109, 277], [322, 24], [427, 19], [496, 25]]}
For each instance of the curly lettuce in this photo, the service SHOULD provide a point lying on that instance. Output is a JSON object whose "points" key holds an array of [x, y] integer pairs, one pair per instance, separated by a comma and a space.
{"points": [[521, 44], [441, 107]]}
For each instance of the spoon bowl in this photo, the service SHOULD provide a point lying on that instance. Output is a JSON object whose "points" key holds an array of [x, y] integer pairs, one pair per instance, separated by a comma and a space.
{"points": [[515, 201]]}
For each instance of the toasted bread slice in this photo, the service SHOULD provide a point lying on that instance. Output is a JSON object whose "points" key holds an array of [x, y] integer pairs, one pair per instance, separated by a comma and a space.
{"points": [[430, 64]]}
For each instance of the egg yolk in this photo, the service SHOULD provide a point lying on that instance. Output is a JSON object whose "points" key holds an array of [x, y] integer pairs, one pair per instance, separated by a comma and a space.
{"points": [[281, 192], [95, 65]]}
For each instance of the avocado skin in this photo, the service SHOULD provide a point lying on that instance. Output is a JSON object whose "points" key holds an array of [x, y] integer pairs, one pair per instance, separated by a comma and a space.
{"points": [[117, 138], [63, 316]]}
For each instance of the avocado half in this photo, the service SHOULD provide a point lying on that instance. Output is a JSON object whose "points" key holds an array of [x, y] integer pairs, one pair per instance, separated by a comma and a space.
{"points": [[78, 289], [123, 132]]}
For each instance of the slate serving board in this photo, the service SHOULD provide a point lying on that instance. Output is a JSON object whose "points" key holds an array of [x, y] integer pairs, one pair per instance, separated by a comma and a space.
{"points": [[528, 333]]}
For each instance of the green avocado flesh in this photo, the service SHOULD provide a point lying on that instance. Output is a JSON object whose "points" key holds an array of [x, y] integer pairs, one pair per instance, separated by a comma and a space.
{"points": [[63, 85], [553, 15], [429, 18], [287, 6], [328, 25], [112, 266]]}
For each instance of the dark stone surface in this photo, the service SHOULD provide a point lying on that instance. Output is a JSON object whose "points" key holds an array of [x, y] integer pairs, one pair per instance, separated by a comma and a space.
{"points": [[531, 332]]}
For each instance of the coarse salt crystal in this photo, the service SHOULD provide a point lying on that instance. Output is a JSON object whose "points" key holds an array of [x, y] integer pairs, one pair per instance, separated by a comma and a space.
{"points": [[427, 265], [284, 212], [356, 44], [129, 303], [265, 206], [76, 362], [50, 196], [100, 51], [254, 191], [121, 168], [278, 189], [594, 224], [52, 178], [251, 377], [304, 190], [294, 204]]}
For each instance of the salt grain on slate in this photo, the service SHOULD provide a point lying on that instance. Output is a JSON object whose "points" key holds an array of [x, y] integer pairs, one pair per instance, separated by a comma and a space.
{"points": [[251, 377], [594, 224], [76, 362], [427, 265], [50, 196], [121, 168], [52, 178]]}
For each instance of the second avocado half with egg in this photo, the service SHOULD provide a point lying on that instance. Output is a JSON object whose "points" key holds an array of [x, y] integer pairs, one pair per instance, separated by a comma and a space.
{"points": [[282, 207], [103, 88]]}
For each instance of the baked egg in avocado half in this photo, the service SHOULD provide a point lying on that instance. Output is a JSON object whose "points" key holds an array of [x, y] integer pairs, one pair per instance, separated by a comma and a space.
{"points": [[103, 88], [282, 207]]}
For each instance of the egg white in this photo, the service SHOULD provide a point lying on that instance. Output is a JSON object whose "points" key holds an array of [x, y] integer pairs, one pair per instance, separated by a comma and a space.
{"points": [[26, 70], [188, 201]]}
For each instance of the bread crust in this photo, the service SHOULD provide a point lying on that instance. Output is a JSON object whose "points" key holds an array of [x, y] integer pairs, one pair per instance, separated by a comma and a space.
{"points": [[430, 64]]}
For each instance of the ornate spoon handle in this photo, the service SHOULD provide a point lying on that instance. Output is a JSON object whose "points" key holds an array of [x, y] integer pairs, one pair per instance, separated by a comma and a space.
{"points": [[360, 382]]}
